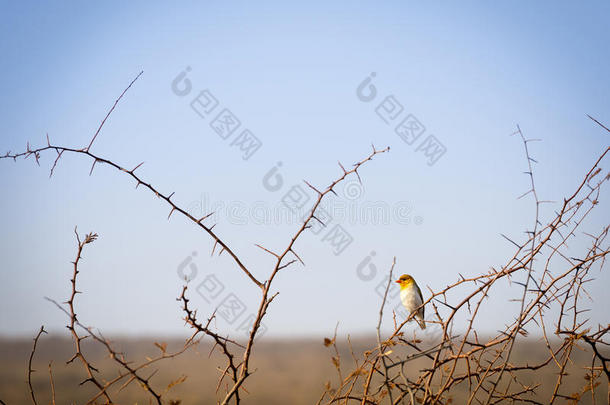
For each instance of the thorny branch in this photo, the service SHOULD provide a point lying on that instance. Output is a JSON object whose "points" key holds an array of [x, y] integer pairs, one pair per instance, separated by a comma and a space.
{"points": [[30, 369], [266, 299], [555, 279], [237, 371], [130, 372], [485, 365]]}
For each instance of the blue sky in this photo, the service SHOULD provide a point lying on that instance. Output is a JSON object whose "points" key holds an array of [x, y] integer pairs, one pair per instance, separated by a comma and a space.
{"points": [[468, 72]]}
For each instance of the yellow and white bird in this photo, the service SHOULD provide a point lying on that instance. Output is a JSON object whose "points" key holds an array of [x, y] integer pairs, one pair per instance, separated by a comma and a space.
{"points": [[411, 298]]}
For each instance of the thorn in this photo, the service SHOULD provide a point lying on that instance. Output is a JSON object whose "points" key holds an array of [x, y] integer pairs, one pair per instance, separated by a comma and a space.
{"points": [[316, 218], [357, 174], [524, 194], [508, 239], [92, 166], [205, 216], [134, 169], [266, 250], [598, 123], [297, 256], [312, 187]]}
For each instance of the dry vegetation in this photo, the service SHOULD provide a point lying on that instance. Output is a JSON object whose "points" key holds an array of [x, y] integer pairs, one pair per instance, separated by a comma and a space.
{"points": [[289, 372], [569, 362]]}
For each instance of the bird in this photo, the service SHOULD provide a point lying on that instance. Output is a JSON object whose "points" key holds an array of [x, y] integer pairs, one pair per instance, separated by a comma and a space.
{"points": [[411, 298]]}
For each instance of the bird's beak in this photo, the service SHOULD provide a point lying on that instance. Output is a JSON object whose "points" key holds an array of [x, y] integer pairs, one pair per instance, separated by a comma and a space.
{"points": [[397, 281]]}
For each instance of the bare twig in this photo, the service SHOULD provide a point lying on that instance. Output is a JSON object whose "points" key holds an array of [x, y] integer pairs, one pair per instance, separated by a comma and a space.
{"points": [[30, 369], [52, 383], [485, 365], [110, 112]]}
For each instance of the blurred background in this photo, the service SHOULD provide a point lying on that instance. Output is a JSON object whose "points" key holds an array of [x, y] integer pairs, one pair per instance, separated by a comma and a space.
{"points": [[443, 85]]}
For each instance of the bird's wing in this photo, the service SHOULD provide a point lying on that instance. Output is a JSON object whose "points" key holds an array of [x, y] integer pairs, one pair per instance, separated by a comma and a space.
{"points": [[421, 300]]}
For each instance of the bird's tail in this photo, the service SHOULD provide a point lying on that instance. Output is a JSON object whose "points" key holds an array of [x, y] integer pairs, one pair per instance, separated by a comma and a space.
{"points": [[421, 322]]}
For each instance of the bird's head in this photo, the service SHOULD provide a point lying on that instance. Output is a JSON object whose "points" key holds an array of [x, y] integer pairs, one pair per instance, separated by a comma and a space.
{"points": [[405, 280]]}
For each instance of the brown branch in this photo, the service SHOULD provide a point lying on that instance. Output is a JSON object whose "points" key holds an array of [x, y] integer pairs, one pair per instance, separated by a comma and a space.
{"points": [[486, 366], [30, 370], [139, 181], [265, 299], [110, 112], [52, 383], [380, 350]]}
